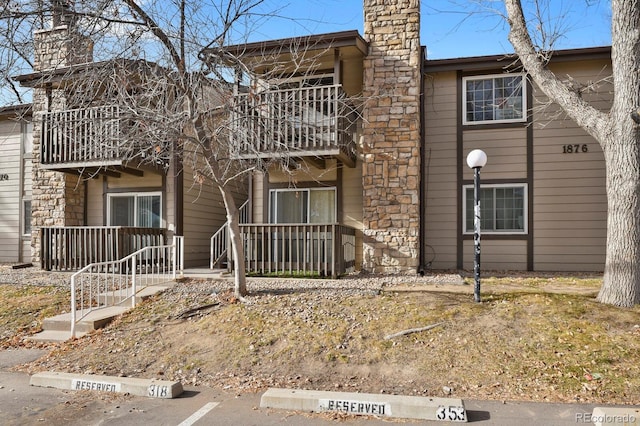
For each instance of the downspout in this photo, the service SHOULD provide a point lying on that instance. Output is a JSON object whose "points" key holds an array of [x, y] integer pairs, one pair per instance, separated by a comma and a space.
{"points": [[422, 265]]}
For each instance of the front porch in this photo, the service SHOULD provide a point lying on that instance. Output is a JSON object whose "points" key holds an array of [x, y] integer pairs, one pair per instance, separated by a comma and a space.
{"points": [[69, 248], [306, 250], [302, 249], [298, 249]]}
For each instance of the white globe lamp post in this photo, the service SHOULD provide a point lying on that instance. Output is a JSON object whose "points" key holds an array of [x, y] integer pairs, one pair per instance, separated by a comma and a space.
{"points": [[476, 160]]}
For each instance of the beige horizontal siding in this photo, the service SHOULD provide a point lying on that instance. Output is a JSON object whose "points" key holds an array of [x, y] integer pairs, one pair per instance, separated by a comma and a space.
{"points": [[570, 206], [352, 205], [10, 145], [95, 203], [440, 180], [506, 151], [149, 180], [497, 255], [258, 199], [204, 213]]}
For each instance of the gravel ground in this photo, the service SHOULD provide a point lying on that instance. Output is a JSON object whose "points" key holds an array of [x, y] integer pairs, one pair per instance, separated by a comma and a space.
{"points": [[352, 284], [33, 276]]}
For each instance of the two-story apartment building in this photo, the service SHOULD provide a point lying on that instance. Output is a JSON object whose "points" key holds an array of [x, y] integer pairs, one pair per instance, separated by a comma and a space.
{"points": [[375, 136]]}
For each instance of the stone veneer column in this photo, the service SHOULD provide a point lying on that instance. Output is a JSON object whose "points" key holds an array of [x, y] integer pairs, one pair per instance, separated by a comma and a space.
{"points": [[391, 130], [57, 198]]}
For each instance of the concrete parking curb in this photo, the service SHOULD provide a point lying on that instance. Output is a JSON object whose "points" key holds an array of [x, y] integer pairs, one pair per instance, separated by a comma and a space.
{"points": [[380, 405], [151, 388]]}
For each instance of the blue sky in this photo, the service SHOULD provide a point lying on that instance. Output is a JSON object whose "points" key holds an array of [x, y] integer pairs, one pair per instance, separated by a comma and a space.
{"points": [[449, 28]]}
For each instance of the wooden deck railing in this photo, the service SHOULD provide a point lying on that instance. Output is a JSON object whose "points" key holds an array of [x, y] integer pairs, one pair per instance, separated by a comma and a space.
{"points": [[299, 249], [72, 248], [81, 136], [303, 121]]}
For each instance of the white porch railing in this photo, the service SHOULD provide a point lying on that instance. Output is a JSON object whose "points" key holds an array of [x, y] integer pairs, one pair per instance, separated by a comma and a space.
{"points": [[114, 283], [220, 240]]}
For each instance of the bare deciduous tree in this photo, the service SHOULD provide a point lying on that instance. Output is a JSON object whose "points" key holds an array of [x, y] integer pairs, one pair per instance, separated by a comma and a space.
{"points": [[615, 131], [180, 104]]}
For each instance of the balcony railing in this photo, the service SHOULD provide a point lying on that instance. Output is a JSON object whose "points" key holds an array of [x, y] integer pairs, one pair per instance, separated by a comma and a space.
{"points": [[309, 121], [326, 250], [81, 136], [73, 248]]}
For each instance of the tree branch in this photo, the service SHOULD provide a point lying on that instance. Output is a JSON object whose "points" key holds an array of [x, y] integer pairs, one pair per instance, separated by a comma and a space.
{"points": [[535, 64]]}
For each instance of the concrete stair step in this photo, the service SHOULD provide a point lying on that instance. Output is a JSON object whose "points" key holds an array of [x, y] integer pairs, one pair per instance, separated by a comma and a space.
{"points": [[58, 328], [97, 318], [53, 336], [112, 298]]}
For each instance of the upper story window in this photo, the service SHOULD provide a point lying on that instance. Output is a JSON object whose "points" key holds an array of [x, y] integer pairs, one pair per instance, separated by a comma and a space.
{"points": [[499, 98]]}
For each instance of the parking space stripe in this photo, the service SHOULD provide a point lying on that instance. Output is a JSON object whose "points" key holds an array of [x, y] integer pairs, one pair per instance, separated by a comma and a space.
{"points": [[199, 414]]}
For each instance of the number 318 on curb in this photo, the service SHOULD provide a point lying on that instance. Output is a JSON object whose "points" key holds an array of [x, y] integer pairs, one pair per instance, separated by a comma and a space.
{"points": [[456, 414]]}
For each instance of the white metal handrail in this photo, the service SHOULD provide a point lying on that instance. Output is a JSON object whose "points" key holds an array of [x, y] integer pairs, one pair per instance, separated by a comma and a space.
{"points": [[112, 283], [220, 240]]}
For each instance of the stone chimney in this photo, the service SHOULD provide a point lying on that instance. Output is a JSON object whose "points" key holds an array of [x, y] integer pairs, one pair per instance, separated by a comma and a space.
{"points": [[391, 133], [57, 198]]}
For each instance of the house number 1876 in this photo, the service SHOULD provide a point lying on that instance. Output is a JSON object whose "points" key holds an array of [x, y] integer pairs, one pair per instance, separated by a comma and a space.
{"points": [[571, 149]]}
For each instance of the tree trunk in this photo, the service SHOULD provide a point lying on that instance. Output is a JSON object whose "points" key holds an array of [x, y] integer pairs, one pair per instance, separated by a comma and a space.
{"points": [[233, 222], [621, 286], [616, 133]]}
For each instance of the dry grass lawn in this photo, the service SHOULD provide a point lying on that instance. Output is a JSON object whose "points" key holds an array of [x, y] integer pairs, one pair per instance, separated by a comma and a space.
{"points": [[540, 338]]}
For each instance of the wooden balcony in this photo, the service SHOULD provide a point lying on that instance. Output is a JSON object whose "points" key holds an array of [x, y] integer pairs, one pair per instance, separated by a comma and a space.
{"points": [[87, 140], [313, 250], [313, 122], [72, 248]]}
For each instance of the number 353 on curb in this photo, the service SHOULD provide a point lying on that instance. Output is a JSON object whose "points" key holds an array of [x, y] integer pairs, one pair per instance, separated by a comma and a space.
{"points": [[454, 414]]}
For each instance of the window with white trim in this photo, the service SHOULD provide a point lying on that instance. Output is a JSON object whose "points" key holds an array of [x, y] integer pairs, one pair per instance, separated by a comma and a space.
{"points": [[503, 209], [309, 205], [142, 210], [499, 98]]}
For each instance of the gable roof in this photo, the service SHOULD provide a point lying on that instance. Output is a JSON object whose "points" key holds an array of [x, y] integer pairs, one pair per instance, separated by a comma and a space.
{"points": [[350, 43]]}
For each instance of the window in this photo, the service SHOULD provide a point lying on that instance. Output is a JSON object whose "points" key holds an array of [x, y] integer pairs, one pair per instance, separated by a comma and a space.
{"points": [[313, 205], [503, 209], [26, 217], [494, 99], [141, 210]]}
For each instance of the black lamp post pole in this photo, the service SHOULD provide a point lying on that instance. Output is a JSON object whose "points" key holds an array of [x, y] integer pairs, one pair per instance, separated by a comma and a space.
{"points": [[476, 233]]}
